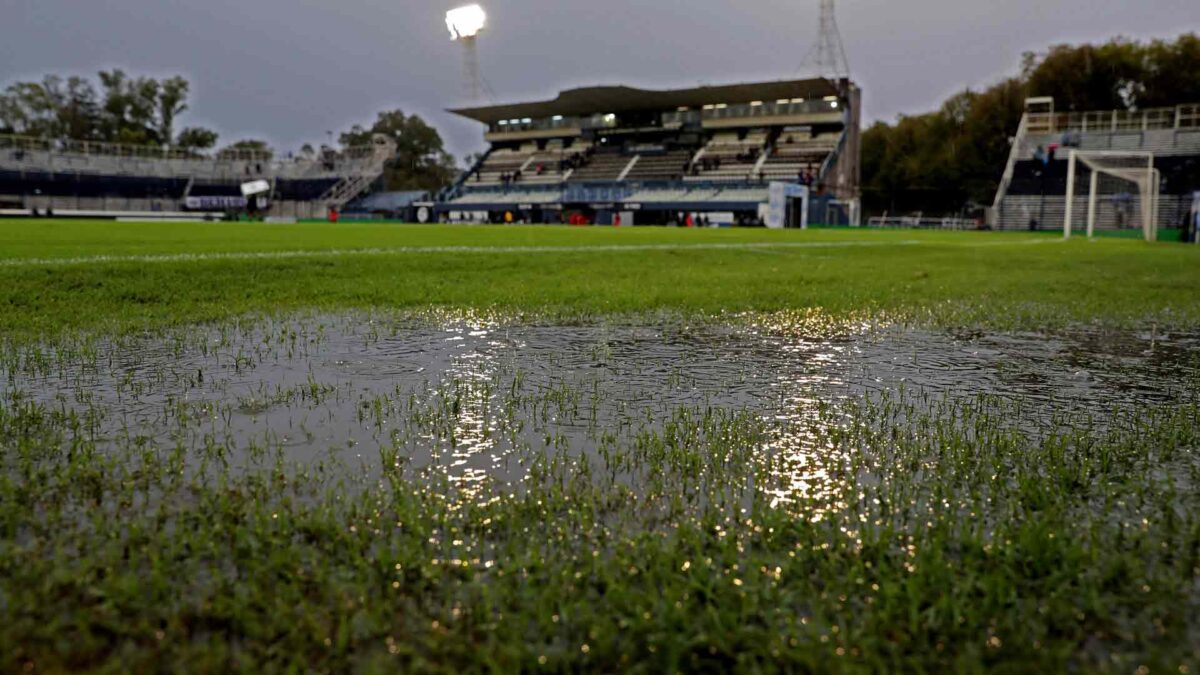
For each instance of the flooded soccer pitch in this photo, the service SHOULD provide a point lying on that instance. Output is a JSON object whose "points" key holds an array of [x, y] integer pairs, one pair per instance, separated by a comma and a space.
{"points": [[483, 403], [840, 456]]}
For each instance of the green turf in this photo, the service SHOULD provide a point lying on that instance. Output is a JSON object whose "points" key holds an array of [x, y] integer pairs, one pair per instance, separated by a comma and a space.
{"points": [[997, 279], [948, 542]]}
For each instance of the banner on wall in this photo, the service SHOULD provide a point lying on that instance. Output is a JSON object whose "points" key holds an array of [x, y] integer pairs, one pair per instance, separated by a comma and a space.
{"points": [[215, 203]]}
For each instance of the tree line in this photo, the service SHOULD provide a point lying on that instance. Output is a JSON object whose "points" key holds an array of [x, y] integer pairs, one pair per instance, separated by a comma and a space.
{"points": [[118, 108], [115, 108], [952, 159]]}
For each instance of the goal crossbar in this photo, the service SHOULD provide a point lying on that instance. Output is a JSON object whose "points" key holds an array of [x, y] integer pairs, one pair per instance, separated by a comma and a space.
{"points": [[1139, 171]]}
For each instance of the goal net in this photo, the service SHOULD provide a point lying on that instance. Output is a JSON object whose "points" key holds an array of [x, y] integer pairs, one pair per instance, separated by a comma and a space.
{"points": [[1112, 191]]}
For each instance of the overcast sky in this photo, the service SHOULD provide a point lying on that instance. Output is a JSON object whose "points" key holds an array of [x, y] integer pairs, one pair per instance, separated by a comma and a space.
{"points": [[289, 70]]}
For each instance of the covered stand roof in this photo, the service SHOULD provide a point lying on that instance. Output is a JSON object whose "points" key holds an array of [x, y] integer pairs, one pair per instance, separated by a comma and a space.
{"points": [[620, 99]]}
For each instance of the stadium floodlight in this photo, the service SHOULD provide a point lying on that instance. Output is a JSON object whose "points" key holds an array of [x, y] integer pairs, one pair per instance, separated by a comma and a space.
{"points": [[465, 25], [466, 22]]}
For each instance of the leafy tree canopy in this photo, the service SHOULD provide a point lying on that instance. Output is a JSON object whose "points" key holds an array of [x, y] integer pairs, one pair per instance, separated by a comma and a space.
{"points": [[243, 148], [115, 108], [421, 161]]}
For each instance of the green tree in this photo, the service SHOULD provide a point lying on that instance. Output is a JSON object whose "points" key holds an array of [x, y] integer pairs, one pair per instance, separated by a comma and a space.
{"points": [[197, 139], [129, 108], [421, 161], [244, 148], [172, 102], [29, 109]]}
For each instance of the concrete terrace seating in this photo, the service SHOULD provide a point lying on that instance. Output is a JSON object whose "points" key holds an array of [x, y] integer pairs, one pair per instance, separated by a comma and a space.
{"points": [[796, 152], [742, 195], [603, 166], [211, 168], [728, 157], [549, 165], [504, 161], [704, 195], [516, 197], [664, 166], [1163, 142], [670, 196]]}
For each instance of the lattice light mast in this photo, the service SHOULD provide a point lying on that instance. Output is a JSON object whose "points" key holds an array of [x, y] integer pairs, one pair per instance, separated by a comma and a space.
{"points": [[465, 24], [828, 55]]}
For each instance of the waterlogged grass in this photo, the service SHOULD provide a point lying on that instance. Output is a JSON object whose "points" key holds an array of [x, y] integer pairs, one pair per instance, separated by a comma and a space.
{"points": [[950, 279], [146, 523], [940, 538]]}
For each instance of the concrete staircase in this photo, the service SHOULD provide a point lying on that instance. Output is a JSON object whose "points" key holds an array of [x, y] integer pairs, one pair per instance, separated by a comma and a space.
{"points": [[353, 185]]}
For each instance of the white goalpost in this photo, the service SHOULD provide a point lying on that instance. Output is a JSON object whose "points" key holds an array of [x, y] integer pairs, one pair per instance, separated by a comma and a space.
{"points": [[1122, 191]]}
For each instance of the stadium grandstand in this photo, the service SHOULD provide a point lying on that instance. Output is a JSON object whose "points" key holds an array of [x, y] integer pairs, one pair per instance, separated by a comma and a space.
{"points": [[1120, 146], [88, 179], [616, 154]]}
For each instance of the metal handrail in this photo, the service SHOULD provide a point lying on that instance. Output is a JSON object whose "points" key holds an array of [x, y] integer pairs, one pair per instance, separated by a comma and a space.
{"points": [[24, 153], [1013, 156], [1179, 117], [153, 152]]}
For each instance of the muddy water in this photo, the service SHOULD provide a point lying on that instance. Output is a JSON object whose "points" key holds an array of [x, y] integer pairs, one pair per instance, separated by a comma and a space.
{"points": [[477, 401]]}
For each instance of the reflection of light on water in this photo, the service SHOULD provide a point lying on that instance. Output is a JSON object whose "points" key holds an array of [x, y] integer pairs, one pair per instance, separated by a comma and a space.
{"points": [[475, 428], [800, 458], [570, 394]]}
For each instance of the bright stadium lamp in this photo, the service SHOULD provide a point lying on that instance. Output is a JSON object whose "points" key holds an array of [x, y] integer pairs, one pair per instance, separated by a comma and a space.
{"points": [[465, 25]]}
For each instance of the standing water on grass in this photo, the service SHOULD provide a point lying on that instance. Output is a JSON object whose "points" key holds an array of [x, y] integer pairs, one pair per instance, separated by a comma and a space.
{"points": [[477, 403]]}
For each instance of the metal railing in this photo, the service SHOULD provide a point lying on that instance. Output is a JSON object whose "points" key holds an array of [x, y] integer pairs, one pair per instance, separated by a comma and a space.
{"points": [[676, 118], [921, 222], [1013, 156], [25, 153], [1179, 117], [747, 110]]}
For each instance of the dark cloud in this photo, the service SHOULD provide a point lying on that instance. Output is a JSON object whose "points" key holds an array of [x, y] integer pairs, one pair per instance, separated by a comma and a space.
{"points": [[289, 70]]}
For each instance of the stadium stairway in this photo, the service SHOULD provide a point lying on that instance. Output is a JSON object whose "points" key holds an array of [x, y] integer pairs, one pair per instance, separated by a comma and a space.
{"points": [[353, 185]]}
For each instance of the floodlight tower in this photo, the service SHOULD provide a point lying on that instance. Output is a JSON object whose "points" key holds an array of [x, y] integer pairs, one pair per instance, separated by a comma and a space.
{"points": [[465, 24], [828, 55]]}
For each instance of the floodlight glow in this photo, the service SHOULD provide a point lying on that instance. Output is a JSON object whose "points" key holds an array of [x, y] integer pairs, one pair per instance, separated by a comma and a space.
{"points": [[466, 22]]}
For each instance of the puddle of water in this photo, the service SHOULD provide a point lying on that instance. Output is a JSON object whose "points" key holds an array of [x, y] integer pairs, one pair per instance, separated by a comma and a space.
{"points": [[486, 405]]}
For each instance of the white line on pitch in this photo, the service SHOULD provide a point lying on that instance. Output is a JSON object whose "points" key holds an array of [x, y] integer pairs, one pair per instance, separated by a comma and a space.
{"points": [[469, 250]]}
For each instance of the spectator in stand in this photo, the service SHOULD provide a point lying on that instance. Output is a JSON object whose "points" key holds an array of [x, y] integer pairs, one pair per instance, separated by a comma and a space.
{"points": [[1040, 154], [1050, 154]]}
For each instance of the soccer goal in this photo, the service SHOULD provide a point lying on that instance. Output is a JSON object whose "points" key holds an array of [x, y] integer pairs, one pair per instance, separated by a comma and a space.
{"points": [[1122, 191]]}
